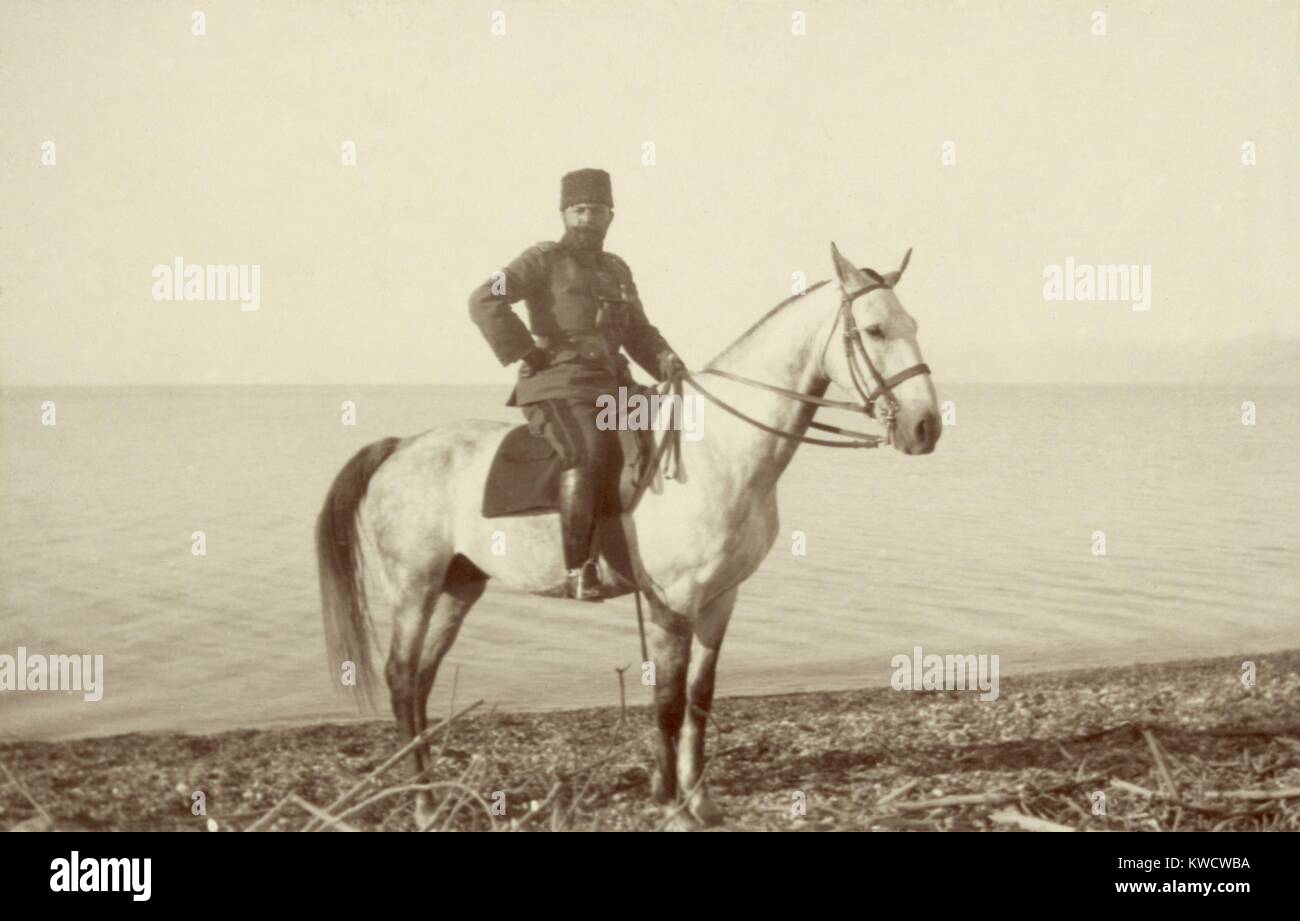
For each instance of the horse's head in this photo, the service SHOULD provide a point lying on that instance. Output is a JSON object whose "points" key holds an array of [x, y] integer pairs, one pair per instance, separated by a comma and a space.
{"points": [[872, 352]]}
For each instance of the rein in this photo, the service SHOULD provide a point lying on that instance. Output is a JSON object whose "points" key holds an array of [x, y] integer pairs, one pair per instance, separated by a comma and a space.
{"points": [[880, 389], [859, 439]]}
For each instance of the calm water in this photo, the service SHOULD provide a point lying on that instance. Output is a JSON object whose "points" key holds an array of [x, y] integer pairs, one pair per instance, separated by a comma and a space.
{"points": [[986, 546]]}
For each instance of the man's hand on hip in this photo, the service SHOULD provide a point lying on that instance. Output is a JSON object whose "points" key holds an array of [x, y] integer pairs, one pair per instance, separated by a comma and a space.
{"points": [[536, 360]]}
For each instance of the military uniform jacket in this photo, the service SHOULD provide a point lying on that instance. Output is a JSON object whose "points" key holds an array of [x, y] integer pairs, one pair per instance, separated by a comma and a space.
{"points": [[582, 309]]}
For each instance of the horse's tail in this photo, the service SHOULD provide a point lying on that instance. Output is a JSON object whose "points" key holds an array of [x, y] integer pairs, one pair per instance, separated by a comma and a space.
{"points": [[348, 630]]}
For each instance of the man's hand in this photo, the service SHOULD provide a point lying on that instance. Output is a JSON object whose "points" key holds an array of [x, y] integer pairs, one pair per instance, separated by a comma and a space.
{"points": [[671, 366], [536, 360]]}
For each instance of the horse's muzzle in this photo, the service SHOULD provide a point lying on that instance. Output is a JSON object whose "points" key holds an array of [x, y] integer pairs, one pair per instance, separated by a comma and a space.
{"points": [[921, 436]]}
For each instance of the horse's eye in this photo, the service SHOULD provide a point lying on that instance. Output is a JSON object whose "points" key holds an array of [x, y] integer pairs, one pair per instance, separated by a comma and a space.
{"points": [[875, 332]]}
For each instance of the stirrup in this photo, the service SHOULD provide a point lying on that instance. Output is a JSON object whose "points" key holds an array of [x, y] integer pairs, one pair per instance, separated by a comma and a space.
{"points": [[583, 584]]}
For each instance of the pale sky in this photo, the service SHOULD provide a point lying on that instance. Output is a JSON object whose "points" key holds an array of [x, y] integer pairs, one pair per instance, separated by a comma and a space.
{"points": [[225, 148]]}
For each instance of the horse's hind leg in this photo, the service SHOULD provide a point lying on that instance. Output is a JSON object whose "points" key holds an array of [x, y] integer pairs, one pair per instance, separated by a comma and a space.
{"points": [[410, 617], [459, 593], [710, 627], [464, 585]]}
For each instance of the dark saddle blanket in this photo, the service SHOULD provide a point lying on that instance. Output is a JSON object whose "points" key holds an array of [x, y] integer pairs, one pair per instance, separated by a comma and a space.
{"points": [[525, 475]]}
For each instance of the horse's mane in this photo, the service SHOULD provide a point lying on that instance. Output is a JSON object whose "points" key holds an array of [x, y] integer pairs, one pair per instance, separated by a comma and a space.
{"points": [[781, 306]]}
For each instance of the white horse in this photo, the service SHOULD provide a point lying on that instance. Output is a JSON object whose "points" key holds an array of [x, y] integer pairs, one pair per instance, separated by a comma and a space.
{"points": [[408, 512]]}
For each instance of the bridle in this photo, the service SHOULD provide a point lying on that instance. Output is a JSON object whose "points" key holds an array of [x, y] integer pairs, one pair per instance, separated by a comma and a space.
{"points": [[881, 388], [877, 389]]}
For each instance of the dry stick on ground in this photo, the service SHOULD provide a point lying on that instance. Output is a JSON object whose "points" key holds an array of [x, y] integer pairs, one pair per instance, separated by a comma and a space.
{"points": [[275, 811], [467, 778], [591, 775], [1069, 801], [320, 814], [23, 790], [555, 813], [517, 824], [1094, 736], [490, 778], [900, 822], [446, 799], [1289, 729], [567, 817], [1272, 811], [904, 789], [616, 747], [1161, 795], [486, 761], [383, 826], [622, 695], [432, 765], [569, 775], [392, 760], [959, 799], [411, 788], [1132, 787], [462, 780], [1287, 793], [1027, 822], [565, 777], [373, 775], [990, 799], [1158, 755]]}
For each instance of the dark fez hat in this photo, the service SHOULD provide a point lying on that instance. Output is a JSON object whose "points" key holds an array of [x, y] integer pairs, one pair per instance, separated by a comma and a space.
{"points": [[586, 185]]}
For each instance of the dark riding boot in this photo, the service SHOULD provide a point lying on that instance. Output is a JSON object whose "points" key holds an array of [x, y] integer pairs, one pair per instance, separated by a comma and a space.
{"points": [[577, 524]]}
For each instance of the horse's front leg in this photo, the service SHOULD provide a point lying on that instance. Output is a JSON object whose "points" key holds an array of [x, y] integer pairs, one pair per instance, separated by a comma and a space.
{"points": [[710, 627], [670, 650]]}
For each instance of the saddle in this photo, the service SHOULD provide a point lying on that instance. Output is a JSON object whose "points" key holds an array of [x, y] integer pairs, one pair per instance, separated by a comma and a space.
{"points": [[525, 475]]}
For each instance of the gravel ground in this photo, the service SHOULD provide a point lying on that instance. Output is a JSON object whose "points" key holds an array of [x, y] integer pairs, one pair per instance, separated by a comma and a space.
{"points": [[1042, 753]]}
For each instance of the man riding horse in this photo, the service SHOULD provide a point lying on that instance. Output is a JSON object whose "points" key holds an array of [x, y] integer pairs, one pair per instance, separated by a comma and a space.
{"points": [[582, 309]]}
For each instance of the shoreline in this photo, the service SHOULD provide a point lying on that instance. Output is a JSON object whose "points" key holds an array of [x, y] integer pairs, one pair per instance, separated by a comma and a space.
{"points": [[743, 692], [849, 759]]}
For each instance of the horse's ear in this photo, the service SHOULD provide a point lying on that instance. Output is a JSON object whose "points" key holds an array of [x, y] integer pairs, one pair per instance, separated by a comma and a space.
{"points": [[848, 274], [892, 278]]}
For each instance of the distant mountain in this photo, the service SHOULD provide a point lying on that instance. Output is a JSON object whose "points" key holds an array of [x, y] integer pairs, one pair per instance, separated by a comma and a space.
{"points": [[1256, 360], [1251, 360]]}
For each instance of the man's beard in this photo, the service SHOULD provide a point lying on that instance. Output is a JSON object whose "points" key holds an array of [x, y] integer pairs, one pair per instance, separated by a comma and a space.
{"points": [[588, 238]]}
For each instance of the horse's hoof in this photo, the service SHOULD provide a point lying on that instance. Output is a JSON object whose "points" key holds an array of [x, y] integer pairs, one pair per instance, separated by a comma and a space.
{"points": [[681, 820], [659, 790], [707, 812], [423, 815]]}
